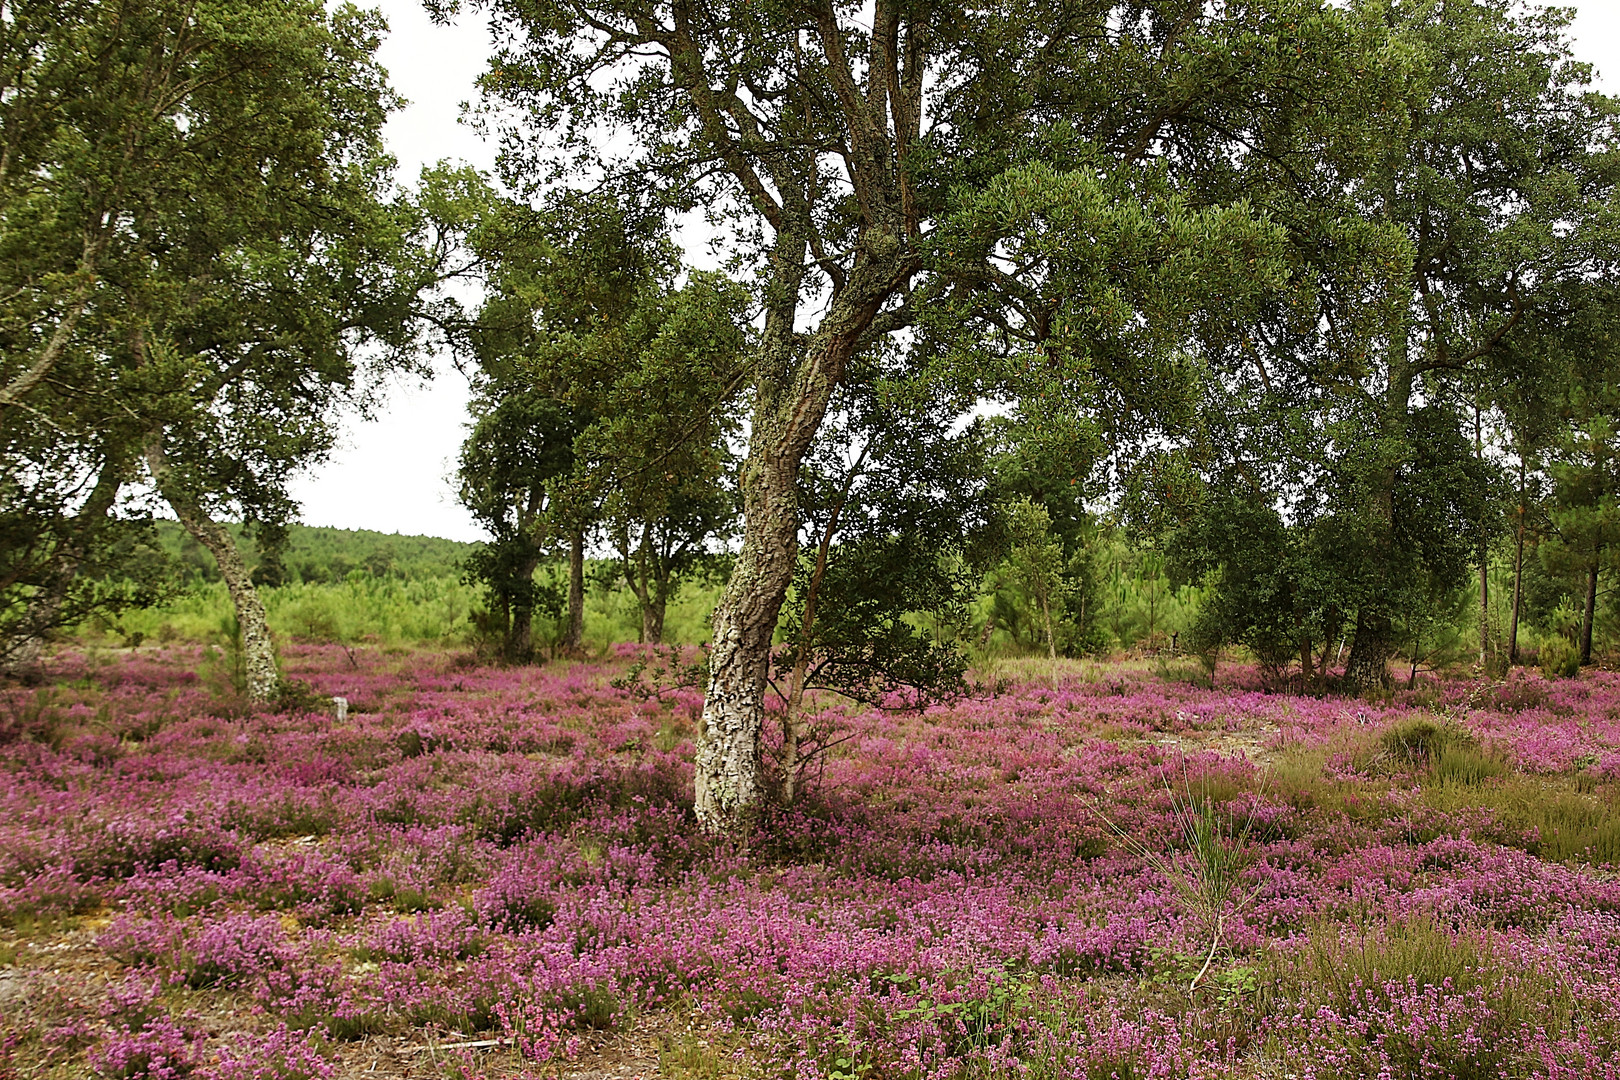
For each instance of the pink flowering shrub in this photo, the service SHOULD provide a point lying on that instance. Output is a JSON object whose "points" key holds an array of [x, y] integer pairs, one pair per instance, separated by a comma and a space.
{"points": [[158, 1050], [280, 1055], [509, 856]]}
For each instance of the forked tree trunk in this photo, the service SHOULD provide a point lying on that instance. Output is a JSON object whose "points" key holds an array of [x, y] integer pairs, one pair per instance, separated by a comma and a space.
{"points": [[649, 582], [1051, 635], [573, 643], [792, 401], [260, 676]]}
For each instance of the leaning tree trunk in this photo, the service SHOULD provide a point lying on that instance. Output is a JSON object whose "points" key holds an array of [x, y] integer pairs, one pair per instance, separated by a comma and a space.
{"points": [[258, 652], [573, 643], [792, 401]]}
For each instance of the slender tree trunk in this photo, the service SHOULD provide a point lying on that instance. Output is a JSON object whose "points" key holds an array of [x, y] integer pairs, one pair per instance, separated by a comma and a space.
{"points": [[258, 651], [1591, 611], [650, 593], [792, 729], [24, 650], [573, 643], [1484, 555], [1518, 570], [792, 400], [1051, 636]]}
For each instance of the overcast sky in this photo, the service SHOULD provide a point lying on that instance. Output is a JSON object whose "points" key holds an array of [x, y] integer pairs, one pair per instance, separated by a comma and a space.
{"points": [[393, 474]]}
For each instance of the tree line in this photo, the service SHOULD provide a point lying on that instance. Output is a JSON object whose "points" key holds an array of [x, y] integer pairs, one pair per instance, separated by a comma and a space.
{"points": [[1314, 296]]}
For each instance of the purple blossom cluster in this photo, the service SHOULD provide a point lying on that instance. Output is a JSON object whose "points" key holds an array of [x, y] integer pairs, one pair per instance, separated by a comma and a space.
{"points": [[509, 856]]}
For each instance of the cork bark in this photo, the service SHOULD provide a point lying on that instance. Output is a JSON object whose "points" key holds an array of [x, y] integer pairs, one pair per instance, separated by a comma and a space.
{"points": [[260, 676]]}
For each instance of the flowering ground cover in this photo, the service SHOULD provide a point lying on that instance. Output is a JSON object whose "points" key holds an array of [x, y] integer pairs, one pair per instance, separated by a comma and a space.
{"points": [[495, 872]]}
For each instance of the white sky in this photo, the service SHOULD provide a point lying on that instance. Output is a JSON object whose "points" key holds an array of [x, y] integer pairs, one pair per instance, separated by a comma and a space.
{"points": [[393, 474]]}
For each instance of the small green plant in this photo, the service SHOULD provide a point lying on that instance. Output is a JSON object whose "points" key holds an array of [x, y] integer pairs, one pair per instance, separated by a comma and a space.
{"points": [[662, 673], [1558, 659], [1418, 742], [1467, 766], [1210, 879]]}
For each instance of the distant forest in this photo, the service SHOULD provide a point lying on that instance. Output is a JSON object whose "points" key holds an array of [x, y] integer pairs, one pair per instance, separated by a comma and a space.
{"points": [[317, 555]]}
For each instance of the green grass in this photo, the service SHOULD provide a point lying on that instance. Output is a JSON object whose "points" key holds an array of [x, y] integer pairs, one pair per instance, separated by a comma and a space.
{"points": [[1347, 971], [1549, 816]]}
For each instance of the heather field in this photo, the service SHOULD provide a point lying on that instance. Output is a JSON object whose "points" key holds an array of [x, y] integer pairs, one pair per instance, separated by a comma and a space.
{"points": [[494, 873]]}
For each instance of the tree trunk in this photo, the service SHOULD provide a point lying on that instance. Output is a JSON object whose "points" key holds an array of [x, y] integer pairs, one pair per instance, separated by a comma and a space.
{"points": [[260, 676], [1368, 666], [652, 621], [1518, 574], [791, 728], [24, 650], [1051, 637], [727, 773], [573, 643], [1484, 555], [519, 636], [639, 574], [792, 400], [1330, 630], [1590, 613]]}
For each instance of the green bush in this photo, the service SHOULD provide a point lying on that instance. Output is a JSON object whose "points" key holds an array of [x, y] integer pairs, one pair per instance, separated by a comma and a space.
{"points": [[1558, 659]]}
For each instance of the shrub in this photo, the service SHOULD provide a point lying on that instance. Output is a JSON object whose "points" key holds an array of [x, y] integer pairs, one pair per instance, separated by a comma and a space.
{"points": [[1558, 659], [161, 1050], [1418, 742], [282, 1055], [1417, 998]]}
